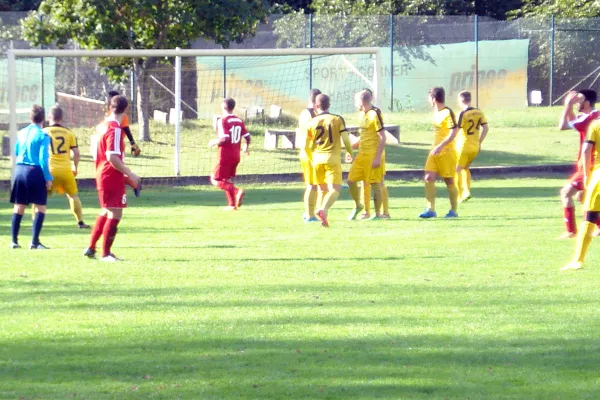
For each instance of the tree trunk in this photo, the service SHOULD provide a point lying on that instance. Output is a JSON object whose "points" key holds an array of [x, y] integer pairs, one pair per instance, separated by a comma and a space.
{"points": [[142, 78]]}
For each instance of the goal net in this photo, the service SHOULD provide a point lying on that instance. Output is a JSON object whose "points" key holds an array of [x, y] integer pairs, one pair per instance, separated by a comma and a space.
{"points": [[270, 88]]}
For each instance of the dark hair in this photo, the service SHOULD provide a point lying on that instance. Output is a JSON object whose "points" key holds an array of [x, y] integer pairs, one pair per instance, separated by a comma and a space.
{"points": [[368, 90], [56, 113], [589, 95], [322, 101], [112, 94], [438, 94], [118, 104], [466, 96], [229, 103], [365, 95], [37, 115], [312, 95]]}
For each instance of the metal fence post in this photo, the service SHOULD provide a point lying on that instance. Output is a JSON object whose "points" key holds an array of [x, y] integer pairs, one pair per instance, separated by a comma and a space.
{"points": [[551, 89], [476, 61], [42, 68], [391, 62], [177, 114], [12, 107], [310, 45], [224, 76]]}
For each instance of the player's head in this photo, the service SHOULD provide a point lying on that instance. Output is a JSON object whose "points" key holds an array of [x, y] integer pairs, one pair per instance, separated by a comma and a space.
{"points": [[363, 99], [37, 115], [109, 96], [118, 104], [228, 104], [56, 114], [312, 97], [589, 98], [437, 95], [464, 98], [322, 102]]}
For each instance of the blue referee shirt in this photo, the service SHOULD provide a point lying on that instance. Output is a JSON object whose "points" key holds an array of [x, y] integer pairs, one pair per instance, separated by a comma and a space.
{"points": [[32, 148]]}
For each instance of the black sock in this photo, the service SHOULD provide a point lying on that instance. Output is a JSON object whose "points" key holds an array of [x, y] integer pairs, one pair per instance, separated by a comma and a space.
{"points": [[38, 221], [16, 225]]}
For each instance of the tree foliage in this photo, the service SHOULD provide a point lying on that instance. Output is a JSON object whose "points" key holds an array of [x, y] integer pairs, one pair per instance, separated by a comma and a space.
{"points": [[142, 24]]}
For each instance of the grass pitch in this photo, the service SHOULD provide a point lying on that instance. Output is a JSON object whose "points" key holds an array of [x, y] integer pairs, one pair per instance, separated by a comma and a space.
{"points": [[257, 304]]}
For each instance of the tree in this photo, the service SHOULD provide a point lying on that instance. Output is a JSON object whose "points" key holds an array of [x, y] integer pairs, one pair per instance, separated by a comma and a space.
{"points": [[142, 24]]}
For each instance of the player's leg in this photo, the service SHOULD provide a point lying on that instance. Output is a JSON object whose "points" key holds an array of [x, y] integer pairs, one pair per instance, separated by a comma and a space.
{"points": [[20, 199], [584, 236], [385, 201], [36, 229], [39, 197], [333, 179], [566, 196], [70, 189], [366, 200], [97, 229], [17, 217], [431, 173], [109, 233], [220, 178], [354, 176], [310, 192], [447, 165], [376, 180]]}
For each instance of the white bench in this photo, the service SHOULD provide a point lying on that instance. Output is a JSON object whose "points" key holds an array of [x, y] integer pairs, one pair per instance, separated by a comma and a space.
{"points": [[288, 139]]}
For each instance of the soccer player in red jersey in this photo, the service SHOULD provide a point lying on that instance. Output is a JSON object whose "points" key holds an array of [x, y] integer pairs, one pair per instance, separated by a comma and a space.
{"points": [[230, 131], [584, 100], [111, 174]]}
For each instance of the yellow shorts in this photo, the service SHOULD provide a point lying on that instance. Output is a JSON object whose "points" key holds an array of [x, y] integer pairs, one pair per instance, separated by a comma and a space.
{"points": [[361, 168], [378, 173], [443, 164], [330, 174], [308, 171], [592, 193], [64, 182], [466, 157]]}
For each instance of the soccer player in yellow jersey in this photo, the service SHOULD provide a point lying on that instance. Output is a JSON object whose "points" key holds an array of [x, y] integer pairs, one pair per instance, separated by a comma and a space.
{"points": [[370, 150], [442, 157], [63, 144], [591, 204], [326, 133], [310, 194], [473, 130]]}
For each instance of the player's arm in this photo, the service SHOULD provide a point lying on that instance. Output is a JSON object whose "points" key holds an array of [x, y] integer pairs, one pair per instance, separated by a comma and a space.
{"points": [[222, 137], [380, 148], [568, 115], [484, 129], [120, 166], [247, 145], [345, 136]]}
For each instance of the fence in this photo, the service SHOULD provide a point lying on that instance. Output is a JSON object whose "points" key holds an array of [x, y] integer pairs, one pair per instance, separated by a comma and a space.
{"points": [[501, 62]]}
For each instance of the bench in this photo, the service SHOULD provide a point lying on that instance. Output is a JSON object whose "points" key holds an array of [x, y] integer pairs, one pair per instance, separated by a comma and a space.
{"points": [[288, 139], [392, 133]]}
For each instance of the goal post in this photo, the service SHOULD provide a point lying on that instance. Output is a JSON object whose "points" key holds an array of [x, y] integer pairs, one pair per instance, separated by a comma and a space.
{"points": [[227, 73]]}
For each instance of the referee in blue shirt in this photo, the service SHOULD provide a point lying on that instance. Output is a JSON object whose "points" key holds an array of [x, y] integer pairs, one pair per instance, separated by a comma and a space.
{"points": [[32, 178]]}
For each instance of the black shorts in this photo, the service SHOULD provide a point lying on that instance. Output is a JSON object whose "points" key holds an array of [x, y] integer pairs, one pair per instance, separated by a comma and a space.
{"points": [[29, 186]]}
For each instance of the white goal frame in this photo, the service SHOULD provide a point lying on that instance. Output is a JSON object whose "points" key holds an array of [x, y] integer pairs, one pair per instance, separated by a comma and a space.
{"points": [[12, 55]]}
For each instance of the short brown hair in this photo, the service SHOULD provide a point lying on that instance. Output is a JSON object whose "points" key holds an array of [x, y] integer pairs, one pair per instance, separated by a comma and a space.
{"points": [[37, 115], [466, 96], [312, 95], [365, 95], [322, 101], [229, 103], [438, 94], [118, 104], [56, 113]]}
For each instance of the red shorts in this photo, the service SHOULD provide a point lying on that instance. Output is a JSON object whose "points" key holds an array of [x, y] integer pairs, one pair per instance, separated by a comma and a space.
{"points": [[576, 180], [112, 198], [224, 171]]}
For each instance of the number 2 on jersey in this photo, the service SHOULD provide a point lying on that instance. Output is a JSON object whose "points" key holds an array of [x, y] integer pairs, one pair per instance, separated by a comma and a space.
{"points": [[235, 133], [319, 139], [471, 128], [60, 149]]}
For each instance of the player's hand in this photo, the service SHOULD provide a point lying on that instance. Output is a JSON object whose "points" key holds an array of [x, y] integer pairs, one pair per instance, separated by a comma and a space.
{"points": [[213, 142], [49, 185], [135, 179], [580, 196], [571, 98], [74, 170], [247, 152], [135, 150], [436, 151], [376, 162]]}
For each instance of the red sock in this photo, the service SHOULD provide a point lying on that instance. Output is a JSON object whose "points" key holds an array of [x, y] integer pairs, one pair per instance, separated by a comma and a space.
{"points": [[109, 233], [229, 191], [570, 220], [97, 230]]}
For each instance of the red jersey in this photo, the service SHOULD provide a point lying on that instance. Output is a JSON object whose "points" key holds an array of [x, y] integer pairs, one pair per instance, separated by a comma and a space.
{"points": [[112, 141], [580, 124], [231, 127]]}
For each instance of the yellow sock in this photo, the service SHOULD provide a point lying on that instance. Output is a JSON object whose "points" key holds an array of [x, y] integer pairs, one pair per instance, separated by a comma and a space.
{"points": [[453, 196], [584, 238], [460, 182], [367, 198], [385, 199], [354, 193], [310, 201], [76, 207], [468, 175], [320, 197], [376, 189], [330, 198], [430, 195]]}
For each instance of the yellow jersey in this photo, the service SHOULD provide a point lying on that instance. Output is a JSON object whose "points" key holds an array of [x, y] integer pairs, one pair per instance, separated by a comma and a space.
{"points": [[325, 134], [370, 123], [593, 137], [303, 123], [443, 122], [62, 140], [469, 122]]}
